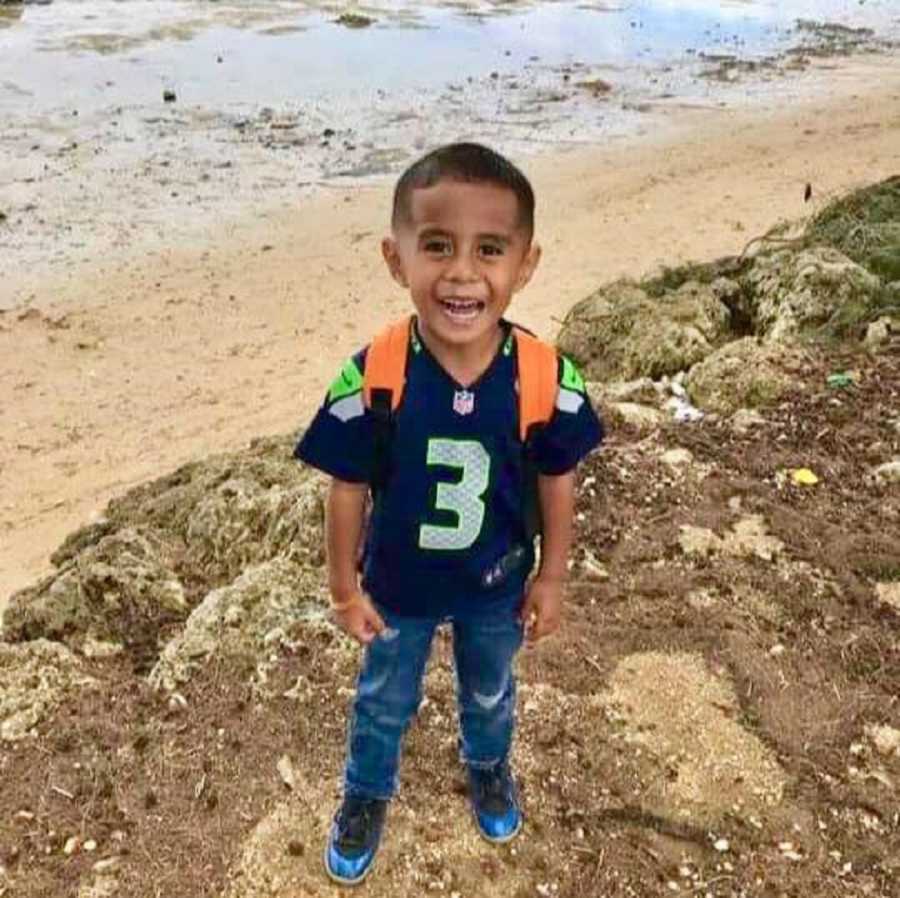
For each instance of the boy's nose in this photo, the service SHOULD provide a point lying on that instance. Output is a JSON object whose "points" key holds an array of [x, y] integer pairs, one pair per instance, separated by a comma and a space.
{"points": [[462, 268]]}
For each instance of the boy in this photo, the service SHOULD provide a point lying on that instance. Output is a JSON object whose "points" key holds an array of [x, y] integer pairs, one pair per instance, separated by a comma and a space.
{"points": [[449, 537]]}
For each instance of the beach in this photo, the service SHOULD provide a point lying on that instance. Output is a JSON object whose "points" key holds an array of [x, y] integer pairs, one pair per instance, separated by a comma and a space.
{"points": [[169, 334]]}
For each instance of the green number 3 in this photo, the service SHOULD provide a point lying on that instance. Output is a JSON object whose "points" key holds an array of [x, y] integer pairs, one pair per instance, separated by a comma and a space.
{"points": [[463, 498]]}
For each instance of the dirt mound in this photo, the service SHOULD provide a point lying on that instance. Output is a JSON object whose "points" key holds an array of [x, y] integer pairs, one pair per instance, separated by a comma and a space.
{"points": [[707, 764]]}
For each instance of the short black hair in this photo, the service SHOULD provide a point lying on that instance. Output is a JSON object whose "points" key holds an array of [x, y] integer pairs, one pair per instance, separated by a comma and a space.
{"points": [[470, 162]]}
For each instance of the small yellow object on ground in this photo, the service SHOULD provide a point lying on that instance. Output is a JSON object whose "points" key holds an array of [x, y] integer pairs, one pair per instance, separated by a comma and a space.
{"points": [[804, 477]]}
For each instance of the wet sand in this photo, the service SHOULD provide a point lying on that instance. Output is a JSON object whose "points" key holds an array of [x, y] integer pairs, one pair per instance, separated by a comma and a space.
{"points": [[177, 339]]}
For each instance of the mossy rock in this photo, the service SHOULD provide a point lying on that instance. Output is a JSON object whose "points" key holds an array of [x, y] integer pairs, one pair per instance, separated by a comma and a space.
{"points": [[121, 591], [35, 677], [815, 292], [219, 515], [621, 332], [244, 622], [744, 374], [865, 226]]}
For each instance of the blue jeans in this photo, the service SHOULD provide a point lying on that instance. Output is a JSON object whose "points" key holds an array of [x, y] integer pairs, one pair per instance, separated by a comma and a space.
{"points": [[389, 690]]}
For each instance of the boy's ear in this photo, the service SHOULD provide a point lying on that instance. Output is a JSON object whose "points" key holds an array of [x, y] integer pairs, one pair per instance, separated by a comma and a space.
{"points": [[394, 263], [529, 264]]}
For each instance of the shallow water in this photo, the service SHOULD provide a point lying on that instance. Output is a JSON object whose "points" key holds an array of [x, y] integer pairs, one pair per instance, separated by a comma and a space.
{"points": [[89, 54]]}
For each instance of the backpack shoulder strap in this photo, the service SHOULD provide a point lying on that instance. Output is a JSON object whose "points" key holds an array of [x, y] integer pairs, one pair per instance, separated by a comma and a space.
{"points": [[538, 380], [386, 364]]}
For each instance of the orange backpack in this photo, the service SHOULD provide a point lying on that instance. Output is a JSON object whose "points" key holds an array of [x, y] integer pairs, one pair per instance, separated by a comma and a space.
{"points": [[385, 374]]}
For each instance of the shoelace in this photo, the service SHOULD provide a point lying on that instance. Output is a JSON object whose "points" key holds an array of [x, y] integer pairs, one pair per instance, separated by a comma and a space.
{"points": [[353, 824], [493, 790]]}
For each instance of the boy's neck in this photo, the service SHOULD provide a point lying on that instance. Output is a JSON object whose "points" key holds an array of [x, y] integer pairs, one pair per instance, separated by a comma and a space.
{"points": [[464, 362]]}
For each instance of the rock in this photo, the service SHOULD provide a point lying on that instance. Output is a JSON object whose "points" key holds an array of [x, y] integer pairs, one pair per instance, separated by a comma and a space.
{"points": [[641, 416], [620, 332], [798, 293], [117, 592], [698, 540], [354, 20], [221, 515], [878, 332], [889, 593], [743, 374], [35, 677], [889, 472], [72, 845], [169, 96], [642, 390], [242, 621], [677, 458], [244, 522], [745, 419], [286, 771], [747, 538], [592, 567], [107, 865], [886, 739]]}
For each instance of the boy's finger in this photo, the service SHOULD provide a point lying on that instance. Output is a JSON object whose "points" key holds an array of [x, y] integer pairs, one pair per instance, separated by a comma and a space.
{"points": [[532, 626]]}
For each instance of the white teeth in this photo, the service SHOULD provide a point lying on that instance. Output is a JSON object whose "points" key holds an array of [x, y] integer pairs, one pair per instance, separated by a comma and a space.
{"points": [[462, 309]]}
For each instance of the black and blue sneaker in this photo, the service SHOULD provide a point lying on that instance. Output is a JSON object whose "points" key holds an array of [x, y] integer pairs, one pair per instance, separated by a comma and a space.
{"points": [[494, 802], [354, 838]]}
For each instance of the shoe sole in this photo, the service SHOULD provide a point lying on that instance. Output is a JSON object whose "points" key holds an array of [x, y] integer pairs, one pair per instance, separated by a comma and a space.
{"points": [[340, 880]]}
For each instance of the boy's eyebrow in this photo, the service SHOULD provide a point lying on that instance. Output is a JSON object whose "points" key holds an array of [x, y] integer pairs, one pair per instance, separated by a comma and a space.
{"points": [[432, 232], [427, 232]]}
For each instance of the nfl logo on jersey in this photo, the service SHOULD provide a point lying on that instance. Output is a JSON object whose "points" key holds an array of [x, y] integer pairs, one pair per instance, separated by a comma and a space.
{"points": [[463, 402]]}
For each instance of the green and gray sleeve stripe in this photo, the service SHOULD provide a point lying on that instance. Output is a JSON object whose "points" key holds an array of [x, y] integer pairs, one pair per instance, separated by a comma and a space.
{"points": [[345, 395], [570, 396]]}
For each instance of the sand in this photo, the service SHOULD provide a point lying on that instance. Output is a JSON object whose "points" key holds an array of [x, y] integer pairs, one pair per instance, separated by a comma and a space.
{"points": [[129, 364]]}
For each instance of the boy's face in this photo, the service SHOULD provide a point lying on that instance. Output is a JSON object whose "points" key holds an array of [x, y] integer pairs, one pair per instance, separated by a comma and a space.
{"points": [[462, 254]]}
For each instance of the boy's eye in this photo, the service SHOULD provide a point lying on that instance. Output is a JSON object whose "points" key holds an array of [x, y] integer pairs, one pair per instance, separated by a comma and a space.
{"points": [[491, 249], [437, 246]]}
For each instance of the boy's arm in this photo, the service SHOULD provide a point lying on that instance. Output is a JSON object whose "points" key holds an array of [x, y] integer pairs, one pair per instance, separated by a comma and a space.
{"points": [[543, 602], [353, 611]]}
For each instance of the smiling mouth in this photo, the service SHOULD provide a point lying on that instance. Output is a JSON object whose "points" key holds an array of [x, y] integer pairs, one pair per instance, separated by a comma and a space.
{"points": [[462, 309]]}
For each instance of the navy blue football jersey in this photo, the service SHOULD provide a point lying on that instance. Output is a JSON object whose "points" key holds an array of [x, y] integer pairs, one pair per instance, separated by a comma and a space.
{"points": [[448, 528]]}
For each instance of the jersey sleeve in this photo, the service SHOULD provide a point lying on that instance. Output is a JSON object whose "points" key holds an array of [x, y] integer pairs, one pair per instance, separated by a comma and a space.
{"points": [[573, 431], [340, 440]]}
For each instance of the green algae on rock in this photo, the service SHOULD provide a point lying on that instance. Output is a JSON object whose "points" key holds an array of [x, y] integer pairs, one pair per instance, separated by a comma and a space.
{"points": [[743, 374], [35, 677], [621, 332]]}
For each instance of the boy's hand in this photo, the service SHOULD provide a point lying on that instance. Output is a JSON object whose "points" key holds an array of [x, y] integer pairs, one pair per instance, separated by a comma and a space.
{"points": [[357, 617], [542, 608]]}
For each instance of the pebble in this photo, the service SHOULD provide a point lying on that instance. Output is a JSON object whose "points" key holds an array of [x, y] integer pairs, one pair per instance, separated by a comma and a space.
{"points": [[107, 865], [886, 739], [722, 845], [889, 472], [71, 845], [286, 771]]}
